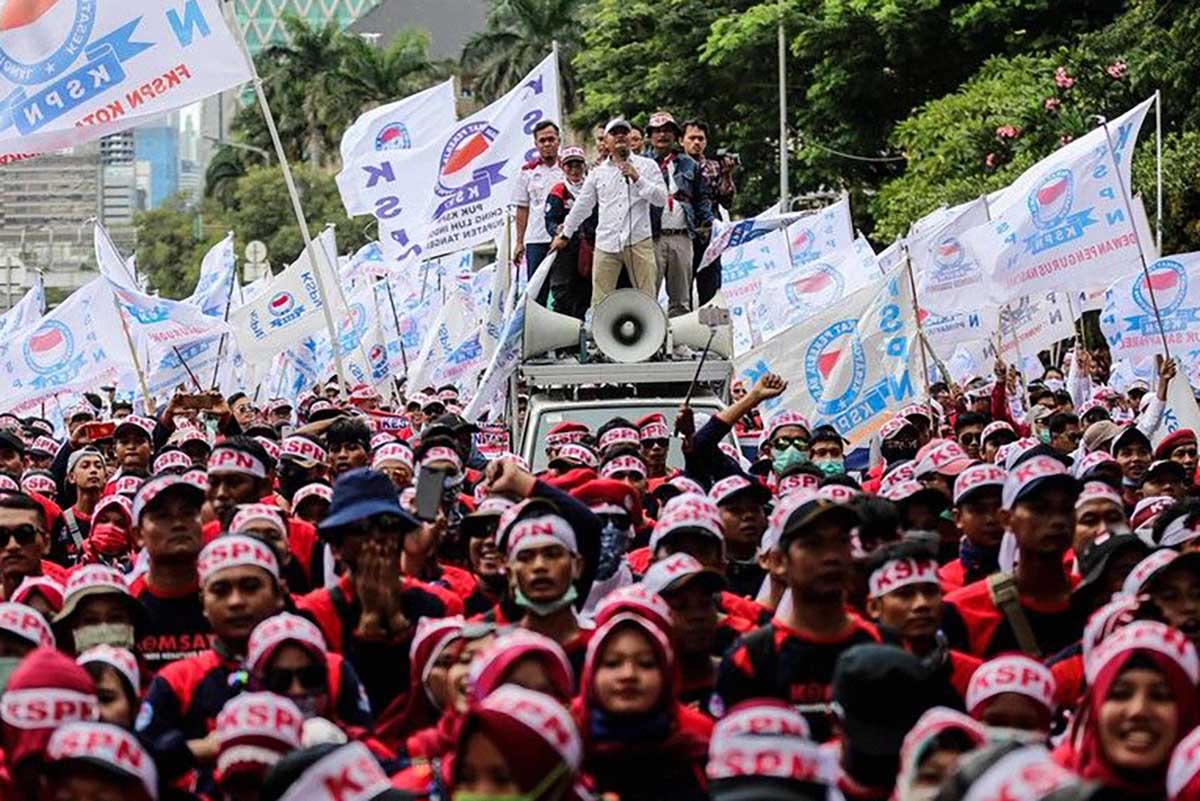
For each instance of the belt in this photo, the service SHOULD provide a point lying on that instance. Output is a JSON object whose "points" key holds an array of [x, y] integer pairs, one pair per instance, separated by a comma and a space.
{"points": [[670, 231]]}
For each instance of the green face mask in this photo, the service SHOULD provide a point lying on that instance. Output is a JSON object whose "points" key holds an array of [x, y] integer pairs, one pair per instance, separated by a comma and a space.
{"points": [[831, 467], [546, 609], [1044, 436], [788, 457], [7, 665], [118, 635]]}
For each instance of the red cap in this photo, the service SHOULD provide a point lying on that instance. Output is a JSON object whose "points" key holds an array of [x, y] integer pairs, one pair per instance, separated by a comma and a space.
{"points": [[607, 495], [1183, 436]]}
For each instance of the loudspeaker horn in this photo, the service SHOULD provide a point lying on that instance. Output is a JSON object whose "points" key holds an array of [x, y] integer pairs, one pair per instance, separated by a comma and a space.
{"points": [[547, 330], [628, 326], [688, 330]]}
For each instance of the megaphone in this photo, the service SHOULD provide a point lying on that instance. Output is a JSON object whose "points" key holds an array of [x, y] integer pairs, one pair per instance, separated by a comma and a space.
{"points": [[688, 329], [628, 326], [547, 330]]}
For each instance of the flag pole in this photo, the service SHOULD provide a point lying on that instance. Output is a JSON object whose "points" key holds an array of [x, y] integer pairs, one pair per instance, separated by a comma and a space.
{"points": [[191, 375], [396, 319], [912, 284], [1136, 237], [137, 364], [297, 208], [1158, 144], [221, 344]]}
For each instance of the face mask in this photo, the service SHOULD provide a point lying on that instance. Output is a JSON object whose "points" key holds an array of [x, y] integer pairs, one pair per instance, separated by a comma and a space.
{"points": [[549, 608], [920, 794], [118, 635], [788, 457], [612, 551], [7, 665], [831, 467], [1055, 385], [1005, 734]]}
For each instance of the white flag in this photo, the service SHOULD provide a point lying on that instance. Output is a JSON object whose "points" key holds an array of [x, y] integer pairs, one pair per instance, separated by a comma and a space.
{"points": [[218, 275], [108, 259], [1181, 411], [1128, 319], [360, 341], [1065, 220], [949, 278], [452, 325], [818, 235], [75, 70], [291, 308], [450, 194], [849, 366], [75, 348], [411, 122], [733, 234], [28, 310], [1032, 324]]}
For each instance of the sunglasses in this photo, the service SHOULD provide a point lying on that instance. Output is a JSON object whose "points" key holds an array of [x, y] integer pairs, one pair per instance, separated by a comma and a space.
{"points": [[783, 443], [24, 535], [656, 443], [968, 439], [280, 680]]}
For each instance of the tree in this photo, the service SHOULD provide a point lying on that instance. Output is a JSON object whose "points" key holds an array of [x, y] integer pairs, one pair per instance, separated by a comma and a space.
{"points": [[516, 36], [368, 76], [170, 244]]}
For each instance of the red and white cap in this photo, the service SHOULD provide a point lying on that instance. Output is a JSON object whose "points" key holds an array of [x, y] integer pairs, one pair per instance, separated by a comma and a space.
{"points": [[571, 153], [783, 510], [44, 445], [838, 493], [996, 427], [685, 485], [143, 424], [303, 451], [249, 514], [1026, 774], [621, 435], [151, 489], [678, 568], [762, 717], [440, 631], [91, 580], [273, 448], [25, 622], [349, 773], [639, 599], [1178, 532], [903, 471], [1147, 511], [109, 747], [231, 460], [977, 477], [1098, 491], [1013, 673], [235, 550], [624, 464], [7, 484], [1120, 611], [382, 438], [897, 573], [542, 715], [122, 501], [123, 484], [36, 482], [314, 490], [893, 427], [439, 453], [686, 511], [797, 482], [1147, 569], [119, 659], [538, 532], [1092, 461], [172, 460], [902, 490], [1184, 768], [1148, 635], [914, 410], [49, 589], [575, 453], [729, 486], [278, 629], [784, 417], [945, 458], [1026, 476], [395, 454], [567, 431], [255, 730]]}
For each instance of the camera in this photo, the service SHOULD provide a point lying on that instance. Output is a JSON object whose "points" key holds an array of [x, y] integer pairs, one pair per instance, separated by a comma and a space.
{"points": [[736, 158]]}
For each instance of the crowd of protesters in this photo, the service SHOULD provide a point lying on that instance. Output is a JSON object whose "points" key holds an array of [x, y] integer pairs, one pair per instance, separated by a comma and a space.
{"points": [[241, 602]]}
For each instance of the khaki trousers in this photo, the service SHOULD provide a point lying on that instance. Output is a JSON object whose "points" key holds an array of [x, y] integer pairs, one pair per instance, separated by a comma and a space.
{"points": [[637, 259]]}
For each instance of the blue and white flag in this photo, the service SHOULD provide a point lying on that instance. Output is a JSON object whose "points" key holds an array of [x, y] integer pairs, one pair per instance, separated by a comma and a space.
{"points": [[75, 70], [814, 237], [159, 326], [733, 234], [744, 271], [851, 366], [119, 271], [218, 277], [450, 195], [462, 365], [454, 323], [360, 341], [1128, 319], [1030, 325], [1065, 221], [404, 124], [1181, 410], [948, 276], [74, 348], [27, 311]]}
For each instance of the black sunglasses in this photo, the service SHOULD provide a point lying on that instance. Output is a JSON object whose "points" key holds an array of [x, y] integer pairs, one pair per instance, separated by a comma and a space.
{"points": [[279, 680], [24, 535]]}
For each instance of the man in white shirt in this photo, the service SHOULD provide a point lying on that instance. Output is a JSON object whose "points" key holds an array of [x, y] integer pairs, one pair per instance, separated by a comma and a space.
{"points": [[533, 184], [624, 186]]}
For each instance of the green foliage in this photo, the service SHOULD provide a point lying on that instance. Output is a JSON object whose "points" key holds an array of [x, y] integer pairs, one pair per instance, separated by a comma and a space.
{"points": [[517, 35], [170, 247]]}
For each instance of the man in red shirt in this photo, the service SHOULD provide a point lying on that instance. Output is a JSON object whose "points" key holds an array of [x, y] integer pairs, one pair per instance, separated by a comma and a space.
{"points": [[977, 493]]}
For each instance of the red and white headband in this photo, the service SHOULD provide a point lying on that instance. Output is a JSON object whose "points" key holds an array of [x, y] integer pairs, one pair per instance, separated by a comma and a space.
{"points": [[623, 464], [172, 460], [394, 453], [119, 659], [538, 532], [655, 430], [25, 622], [577, 453], [323, 491], [439, 453], [47, 707], [619, 436], [1011, 674], [1146, 635], [235, 550], [260, 715], [105, 743], [250, 513], [898, 573], [278, 629], [349, 773], [230, 460], [122, 501], [42, 485], [302, 448], [797, 482], [541, 714]]}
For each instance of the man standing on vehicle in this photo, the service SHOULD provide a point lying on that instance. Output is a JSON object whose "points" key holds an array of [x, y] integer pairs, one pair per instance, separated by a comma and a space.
{"points": [[534, 183]]}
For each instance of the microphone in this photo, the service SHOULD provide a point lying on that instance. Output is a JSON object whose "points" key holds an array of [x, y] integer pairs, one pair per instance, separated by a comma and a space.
{"points": [[622, 154]]}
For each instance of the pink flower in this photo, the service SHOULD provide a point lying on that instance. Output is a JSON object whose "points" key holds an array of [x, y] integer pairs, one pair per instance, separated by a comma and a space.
{"points": [[1008, 132], [1052, 104], [1066, 139], [1062, 80], [992, 161], [1117, 70]]}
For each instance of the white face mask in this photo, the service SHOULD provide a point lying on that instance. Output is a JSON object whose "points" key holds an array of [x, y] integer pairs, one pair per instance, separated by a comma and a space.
{"points": [[118, 635]]}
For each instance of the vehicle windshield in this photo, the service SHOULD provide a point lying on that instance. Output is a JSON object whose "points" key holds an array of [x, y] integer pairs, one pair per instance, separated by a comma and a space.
{"points": [[597, 414]]}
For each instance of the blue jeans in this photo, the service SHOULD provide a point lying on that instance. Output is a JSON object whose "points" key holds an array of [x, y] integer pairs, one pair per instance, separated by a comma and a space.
{"points": [[535, 254]]}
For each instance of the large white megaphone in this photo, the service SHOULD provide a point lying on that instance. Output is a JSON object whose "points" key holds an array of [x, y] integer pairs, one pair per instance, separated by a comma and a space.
{"points": [[547, 330], [628, 326], [693, 329]]}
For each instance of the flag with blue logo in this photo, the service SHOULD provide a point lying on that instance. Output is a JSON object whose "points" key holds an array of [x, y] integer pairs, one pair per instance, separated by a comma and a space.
{"points": [[852, 365], [218, 277], [27, 311], [817, 235], [1029, 325], [290, 308], [1181, 409], [1128, 319], [462, 365], [74, 348], [1065, 221], [360, 341], [403, 124], [75, 70], [450, 194], [948, 276], [453, 324], [735, 233]]}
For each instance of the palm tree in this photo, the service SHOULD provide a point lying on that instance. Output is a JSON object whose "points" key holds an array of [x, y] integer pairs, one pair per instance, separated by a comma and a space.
{"points": [[516, 36]]}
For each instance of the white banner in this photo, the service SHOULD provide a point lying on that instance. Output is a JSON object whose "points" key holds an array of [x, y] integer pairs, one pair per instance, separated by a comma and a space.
{"points": [[818, 235], [451, 194], [27, 311], [1032, 324], [949, 279], [360, 341], [291, 308], [75, 348], [1065, 220], [74, 70], [734, 234], [413, 121], [1181, 411], [218, 276], [454, 323], [850, 366], [1128, 320]]}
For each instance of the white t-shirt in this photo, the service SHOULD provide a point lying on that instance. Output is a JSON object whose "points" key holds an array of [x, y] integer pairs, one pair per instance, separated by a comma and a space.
{"points": [[532, 186]]}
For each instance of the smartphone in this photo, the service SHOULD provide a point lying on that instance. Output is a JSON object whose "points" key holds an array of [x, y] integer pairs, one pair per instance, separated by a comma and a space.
{"points": [[431, 485], [98, 430]]}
